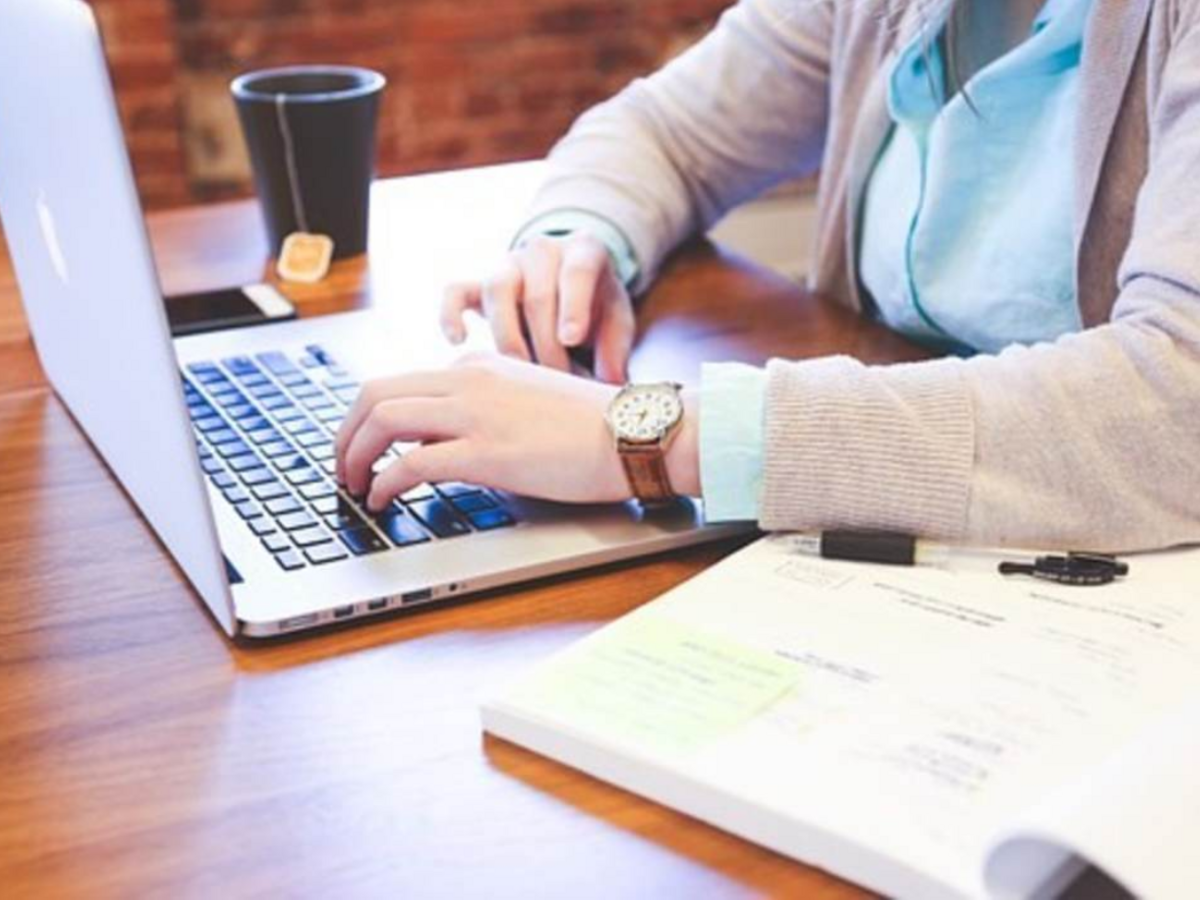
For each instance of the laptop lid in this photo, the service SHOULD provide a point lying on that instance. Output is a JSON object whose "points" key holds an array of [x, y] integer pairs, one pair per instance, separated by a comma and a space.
{"points": [[78, 243]]}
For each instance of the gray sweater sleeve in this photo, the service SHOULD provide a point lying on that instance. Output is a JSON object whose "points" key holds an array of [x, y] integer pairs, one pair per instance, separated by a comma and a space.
{"points": [[1092, 441], [670, 154]]}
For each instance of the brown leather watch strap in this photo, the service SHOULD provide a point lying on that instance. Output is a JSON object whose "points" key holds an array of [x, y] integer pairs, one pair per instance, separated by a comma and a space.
{"points": [[646, 469]]}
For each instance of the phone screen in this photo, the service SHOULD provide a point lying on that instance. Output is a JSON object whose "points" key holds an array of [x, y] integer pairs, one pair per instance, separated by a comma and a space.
{"points": [[227, 308]]}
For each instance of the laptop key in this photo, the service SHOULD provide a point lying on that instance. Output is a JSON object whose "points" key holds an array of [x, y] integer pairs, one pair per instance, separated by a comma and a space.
{"points": [[319, 401], [318, 491], [261, 526], [289, 560], [248, 509], [290, 462], [282, 505], [401, 529], [325, 553], [328, 504], [231, 397], [261, 391], [302, 476], [210, 465], [242, 411], [471, 503], [232, 448], [439, 517], [240, 365], [235, 495], [491, 519], [269, 490], [298, 426], [244, 461], [273, 402], [296, 521], [276, 363], [254, 379], [222, 435], [322, 452], [312, 439], [276, 448], [253, 423], [264, 435], [343, 517], [223, 480], [309, 537], [276, 542], [209, 423], [254, 477], [362, 541]]}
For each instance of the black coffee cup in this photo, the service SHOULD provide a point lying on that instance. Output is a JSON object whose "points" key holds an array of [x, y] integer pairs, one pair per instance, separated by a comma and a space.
{"points": [[310, 131]]}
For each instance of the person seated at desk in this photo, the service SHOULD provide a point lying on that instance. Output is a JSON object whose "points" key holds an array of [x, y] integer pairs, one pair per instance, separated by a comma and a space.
{"points": [[1014, 183]]}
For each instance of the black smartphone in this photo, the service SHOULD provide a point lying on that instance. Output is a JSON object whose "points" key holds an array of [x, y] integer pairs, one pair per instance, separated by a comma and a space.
{"points": [[254, 304]]}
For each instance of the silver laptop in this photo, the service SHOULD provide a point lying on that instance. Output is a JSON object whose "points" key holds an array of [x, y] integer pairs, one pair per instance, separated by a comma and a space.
{"points": [[224, 440]]}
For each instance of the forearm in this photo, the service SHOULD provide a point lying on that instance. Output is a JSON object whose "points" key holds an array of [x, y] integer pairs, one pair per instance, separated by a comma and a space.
{"points": [[668, 156], [1089, 442]]}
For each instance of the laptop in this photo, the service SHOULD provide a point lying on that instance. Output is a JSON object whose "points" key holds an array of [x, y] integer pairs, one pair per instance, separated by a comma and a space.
{"points": [[224, 440]]}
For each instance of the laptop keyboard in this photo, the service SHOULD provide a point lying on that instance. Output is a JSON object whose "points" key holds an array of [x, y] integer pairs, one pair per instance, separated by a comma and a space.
{"points": [[265, 426]]}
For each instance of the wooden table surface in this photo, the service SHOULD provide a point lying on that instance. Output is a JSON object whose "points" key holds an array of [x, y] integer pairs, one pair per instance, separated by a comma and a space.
{"points": [[144, 755]]}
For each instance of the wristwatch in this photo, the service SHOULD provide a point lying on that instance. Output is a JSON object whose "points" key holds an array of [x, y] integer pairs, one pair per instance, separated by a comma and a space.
{"points": [[643, 419]]}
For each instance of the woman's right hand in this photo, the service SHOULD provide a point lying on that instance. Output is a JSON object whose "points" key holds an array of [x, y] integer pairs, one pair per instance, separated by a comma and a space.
{"points": [[549, 296]]}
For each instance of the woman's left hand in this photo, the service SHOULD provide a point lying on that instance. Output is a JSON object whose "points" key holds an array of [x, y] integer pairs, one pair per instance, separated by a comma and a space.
{"points": [[487, 420]]}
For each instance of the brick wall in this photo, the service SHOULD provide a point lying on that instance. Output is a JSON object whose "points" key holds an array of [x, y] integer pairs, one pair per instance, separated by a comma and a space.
{"points": [[470, 83]]}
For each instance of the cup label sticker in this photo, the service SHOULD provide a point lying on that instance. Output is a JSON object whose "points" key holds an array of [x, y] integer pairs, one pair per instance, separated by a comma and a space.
{"points": [[305, 257]]}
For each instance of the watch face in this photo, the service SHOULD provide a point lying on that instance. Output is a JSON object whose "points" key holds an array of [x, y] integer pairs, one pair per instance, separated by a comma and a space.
{"points": [[645, 412]]}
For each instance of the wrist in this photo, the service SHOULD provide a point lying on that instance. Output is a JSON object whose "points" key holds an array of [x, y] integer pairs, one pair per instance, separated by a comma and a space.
{"points": [[683, 453]]}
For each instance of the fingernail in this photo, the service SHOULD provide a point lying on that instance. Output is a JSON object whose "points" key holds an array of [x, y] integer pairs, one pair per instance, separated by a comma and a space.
{"points": [[569, 333]]}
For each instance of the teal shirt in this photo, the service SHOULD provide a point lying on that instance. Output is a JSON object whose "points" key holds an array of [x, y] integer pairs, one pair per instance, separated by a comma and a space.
{"points": [[967, 241], [966, 238]]}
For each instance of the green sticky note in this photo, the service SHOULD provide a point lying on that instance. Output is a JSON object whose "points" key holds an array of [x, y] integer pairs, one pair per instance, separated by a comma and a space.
{"points": [[657, 685]]}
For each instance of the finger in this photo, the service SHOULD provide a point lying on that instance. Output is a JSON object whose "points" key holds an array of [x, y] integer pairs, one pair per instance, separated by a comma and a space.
{"points": [[584, 263], [430, 462], [458, 299], [413, 384], [539, 269], [501, 300], [615, 334], [408, 419]]}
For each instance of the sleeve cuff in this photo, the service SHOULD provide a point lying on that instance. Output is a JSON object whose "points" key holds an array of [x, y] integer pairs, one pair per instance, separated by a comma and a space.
{"points": [[561, 222], [732, 401]]}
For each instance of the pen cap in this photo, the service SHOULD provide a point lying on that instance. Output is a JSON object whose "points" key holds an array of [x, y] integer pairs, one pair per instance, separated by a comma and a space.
{"points": [[870, 546]]}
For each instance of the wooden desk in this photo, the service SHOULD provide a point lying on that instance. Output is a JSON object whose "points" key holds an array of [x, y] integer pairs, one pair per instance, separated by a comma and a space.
{"points": [[143, 755]]}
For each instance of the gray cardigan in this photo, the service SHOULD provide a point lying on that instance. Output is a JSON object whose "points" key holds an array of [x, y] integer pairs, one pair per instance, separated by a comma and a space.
{"points": [[1092, 441]]}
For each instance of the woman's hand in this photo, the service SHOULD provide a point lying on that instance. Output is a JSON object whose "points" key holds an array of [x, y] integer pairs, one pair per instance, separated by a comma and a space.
{"points": [[500, 423], [551, 295]]}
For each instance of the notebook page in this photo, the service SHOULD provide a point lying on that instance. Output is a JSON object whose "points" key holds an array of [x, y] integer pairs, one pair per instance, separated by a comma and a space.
{"points": [[914, 712], [1137, 817]]}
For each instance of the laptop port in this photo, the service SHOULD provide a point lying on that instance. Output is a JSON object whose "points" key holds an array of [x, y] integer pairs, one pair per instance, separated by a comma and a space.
{"points": [[343, 612], [417, 596], [375, 605], [298, 622]]}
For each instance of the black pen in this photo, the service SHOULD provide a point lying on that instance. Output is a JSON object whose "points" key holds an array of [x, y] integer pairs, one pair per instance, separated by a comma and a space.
{"points": [[886, 547]]}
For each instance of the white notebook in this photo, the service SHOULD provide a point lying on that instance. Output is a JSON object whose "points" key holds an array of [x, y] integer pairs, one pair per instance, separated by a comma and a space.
{"points": [[922, 732]]}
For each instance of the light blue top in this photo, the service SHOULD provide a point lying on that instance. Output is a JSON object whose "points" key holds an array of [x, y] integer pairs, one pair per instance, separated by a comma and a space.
{"points": [[966, 241]]}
